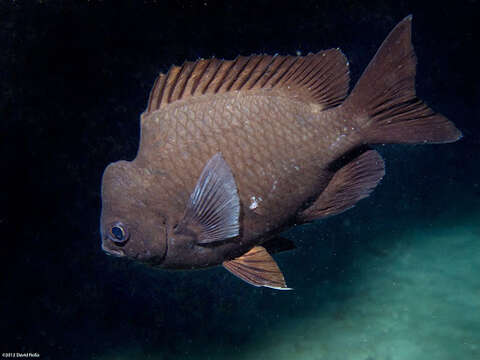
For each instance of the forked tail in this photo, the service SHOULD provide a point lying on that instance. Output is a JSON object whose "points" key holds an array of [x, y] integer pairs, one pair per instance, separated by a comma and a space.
{"points": [[384, 102]]}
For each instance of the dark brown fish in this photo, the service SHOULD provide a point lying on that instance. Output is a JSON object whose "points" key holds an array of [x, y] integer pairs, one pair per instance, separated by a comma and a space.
{"points": [[233, 152]]}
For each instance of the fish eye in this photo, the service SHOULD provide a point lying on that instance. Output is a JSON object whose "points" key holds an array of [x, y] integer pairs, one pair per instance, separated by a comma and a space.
{"points": [[118, 233]]}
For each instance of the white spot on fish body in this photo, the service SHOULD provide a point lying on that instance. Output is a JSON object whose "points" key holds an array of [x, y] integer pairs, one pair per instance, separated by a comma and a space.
{"points": [[337, 141], [274, 186], [254, 202], [316, 108]]}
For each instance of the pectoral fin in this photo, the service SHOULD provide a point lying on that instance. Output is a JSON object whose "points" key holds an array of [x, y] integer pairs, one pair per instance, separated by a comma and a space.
{"points": [[212, 213], [257, 268]]}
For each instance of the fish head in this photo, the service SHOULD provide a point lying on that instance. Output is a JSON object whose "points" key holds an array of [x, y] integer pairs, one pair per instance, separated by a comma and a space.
{"points": [[129, 225]]}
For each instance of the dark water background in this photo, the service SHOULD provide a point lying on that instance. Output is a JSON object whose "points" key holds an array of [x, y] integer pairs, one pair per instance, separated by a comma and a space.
{"points": [[74, 78]]}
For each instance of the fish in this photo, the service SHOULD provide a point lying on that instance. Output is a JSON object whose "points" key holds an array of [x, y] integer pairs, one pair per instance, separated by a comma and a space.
{"points": [[233, 152]]}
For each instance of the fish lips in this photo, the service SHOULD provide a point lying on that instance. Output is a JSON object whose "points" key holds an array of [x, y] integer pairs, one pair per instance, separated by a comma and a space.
{"points": [[111, 252], [142, 257]]}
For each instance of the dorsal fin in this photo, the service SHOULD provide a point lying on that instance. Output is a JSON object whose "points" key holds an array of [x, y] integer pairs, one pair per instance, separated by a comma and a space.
{"points": [[321, 78]]}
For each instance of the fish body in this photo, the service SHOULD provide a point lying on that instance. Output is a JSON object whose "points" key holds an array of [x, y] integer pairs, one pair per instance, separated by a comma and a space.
{"points": [[233, 152], [275, 161]]}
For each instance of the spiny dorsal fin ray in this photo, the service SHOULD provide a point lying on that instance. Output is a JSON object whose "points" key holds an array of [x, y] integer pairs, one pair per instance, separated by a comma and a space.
{"points": [[321, 78]]}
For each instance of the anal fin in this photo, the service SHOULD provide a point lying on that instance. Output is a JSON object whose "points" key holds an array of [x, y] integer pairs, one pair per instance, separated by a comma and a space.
{"points": [[353, 182], [257, 268]]}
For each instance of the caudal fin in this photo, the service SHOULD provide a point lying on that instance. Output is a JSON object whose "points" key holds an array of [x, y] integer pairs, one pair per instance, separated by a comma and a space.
{"points": [[384, 103]]}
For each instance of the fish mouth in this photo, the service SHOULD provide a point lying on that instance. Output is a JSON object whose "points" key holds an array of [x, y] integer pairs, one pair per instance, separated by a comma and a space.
{"points": [[111, 252]]}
